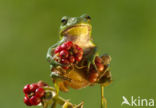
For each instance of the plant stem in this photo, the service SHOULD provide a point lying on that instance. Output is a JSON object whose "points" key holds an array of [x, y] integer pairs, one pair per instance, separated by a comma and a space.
{"points": [[56, 99], [103, 99], [60, 100]]}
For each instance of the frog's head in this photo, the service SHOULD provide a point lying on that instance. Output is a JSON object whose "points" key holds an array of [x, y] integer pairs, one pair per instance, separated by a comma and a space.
{"points": [[75, 26]]}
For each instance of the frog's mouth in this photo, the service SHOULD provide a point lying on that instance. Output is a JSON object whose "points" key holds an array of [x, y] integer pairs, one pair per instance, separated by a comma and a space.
{"points": [[77, 30]]}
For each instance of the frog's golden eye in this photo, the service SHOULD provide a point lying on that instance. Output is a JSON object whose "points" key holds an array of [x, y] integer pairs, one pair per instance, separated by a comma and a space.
{"points": [[63, 21], [88, 17]]}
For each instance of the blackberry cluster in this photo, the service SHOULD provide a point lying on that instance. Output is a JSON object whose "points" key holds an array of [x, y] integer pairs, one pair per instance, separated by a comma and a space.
{"points": [[68, 54], [34, 93]]}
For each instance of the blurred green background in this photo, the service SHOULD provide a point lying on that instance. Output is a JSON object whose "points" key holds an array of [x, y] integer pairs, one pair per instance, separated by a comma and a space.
{"points": [[125, 29]]}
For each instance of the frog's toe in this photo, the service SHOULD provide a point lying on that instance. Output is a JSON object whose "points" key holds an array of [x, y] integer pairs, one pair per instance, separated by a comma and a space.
{"points": [[92, 63]]}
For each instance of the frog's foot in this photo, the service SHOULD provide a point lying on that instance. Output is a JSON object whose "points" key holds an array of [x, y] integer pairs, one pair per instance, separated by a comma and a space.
{"points": [[54, 63], [50, 57], [91, 61]]}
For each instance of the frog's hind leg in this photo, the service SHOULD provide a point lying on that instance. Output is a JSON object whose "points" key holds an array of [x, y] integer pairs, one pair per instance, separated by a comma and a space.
{"points": [[91, 59], [103, 99], [58, 81]]}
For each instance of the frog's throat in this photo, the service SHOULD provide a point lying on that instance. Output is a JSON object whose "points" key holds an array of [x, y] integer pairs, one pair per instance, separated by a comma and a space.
{"points": [[78, 30]]}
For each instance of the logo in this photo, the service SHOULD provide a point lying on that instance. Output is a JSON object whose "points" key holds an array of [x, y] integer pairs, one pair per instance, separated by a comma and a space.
{"points": [[137, 101]]}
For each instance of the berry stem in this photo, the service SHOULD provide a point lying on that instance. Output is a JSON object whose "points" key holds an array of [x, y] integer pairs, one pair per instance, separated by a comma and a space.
{"points": [[45, 105], [60, 100], [49, 88]]}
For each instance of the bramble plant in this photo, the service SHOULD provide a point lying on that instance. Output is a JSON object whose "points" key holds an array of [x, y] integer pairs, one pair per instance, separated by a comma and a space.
{"points": [[74, 62]]}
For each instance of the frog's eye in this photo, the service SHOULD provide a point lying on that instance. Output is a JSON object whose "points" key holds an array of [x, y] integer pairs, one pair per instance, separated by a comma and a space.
{"points": [[88, 17], [63, 20]]}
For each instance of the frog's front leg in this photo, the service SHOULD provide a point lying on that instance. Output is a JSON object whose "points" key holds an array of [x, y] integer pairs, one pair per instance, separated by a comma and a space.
{"points": [[58, 77], [91, 58], [49, 56]]}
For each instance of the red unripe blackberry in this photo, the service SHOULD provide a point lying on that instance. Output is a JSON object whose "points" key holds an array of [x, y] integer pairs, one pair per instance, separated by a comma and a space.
{"points": [[64, 61], [78, 57], [67, 45], [65, 67], [64, 54], [41, 84], [26, 89], [34, 100], [39, 92], [58, 49], [33, 87], [27, 101], [71, 59]]}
